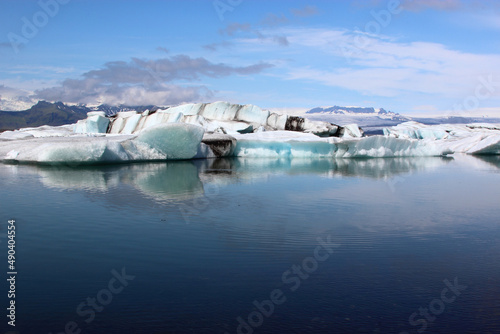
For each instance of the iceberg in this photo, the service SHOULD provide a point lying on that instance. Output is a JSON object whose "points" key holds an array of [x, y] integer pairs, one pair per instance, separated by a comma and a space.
{"points": [[168, 141], [175, 141], [222, 117], [353, 130], [475, 138], [96, 122], [288, 144]]}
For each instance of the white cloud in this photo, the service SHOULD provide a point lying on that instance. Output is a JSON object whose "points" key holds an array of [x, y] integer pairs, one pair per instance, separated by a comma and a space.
{"points": [[13, 99], [305, 11], [382, 66]]}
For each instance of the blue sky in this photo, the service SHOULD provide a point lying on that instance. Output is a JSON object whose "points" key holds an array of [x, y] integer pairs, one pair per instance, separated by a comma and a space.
{"points": [[423, 57]]}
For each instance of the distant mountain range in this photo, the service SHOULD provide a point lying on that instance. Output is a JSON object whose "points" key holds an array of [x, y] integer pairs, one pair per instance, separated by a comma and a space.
{"points": [[358, 111], [372, 120], [58, 113]]}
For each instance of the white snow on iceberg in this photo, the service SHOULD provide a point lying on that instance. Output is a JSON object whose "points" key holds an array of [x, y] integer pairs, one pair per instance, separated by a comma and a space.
{"points": [[475, 138]]}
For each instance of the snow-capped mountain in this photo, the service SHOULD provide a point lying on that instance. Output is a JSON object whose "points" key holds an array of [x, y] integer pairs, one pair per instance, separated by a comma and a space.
{"points": [[372, 120], [57, 113], [359, 112]]}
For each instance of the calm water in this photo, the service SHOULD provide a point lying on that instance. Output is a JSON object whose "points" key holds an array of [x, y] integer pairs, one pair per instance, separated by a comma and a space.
{"points": [[262, 246]]}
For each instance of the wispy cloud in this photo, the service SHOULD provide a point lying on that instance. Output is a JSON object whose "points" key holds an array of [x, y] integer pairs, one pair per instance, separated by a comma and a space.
{"points": [[216, 46], [35, 70], [272, 20], [305, 11], [161, 48], [281, 40], [248, 30], [383, 67], [233, 28]]}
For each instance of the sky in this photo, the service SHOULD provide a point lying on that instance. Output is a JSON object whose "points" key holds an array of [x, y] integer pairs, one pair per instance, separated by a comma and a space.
{"points": [[413, 57]]}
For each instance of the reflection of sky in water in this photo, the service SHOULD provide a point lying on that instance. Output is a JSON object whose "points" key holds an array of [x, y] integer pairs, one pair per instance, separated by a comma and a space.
{"points": [[206, 238]]}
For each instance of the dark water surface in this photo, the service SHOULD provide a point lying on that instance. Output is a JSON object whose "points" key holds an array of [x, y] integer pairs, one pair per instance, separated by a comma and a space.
{"points": [[262, 246]]}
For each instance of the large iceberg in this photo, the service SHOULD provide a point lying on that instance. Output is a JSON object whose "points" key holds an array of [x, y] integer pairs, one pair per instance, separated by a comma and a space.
{"points": [[162, 142], [221, 129], [222, 117]]}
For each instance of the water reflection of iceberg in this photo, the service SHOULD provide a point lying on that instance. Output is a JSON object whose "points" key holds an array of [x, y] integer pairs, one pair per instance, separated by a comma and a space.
{"points": [[179, 180], [176, 180], [230, 170], [170, 180], [492, 160]]}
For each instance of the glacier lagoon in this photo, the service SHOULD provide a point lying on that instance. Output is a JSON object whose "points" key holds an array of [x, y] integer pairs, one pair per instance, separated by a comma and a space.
{"points": [[210, 242]]}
